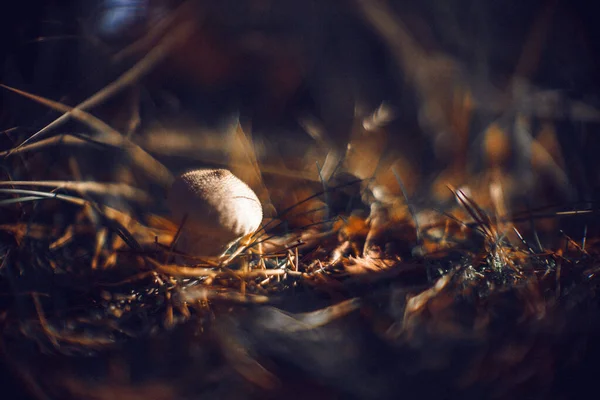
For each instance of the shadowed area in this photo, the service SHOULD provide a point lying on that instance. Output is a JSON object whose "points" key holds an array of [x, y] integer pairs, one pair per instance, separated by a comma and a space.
{"points": [[404, 200]]}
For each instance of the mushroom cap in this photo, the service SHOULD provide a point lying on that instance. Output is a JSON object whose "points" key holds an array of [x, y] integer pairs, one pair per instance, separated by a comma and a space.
{"points": [[220, 208]]}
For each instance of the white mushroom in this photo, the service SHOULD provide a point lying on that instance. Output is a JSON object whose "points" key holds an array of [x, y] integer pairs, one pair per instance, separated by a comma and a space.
{"points": [[220, 209]]}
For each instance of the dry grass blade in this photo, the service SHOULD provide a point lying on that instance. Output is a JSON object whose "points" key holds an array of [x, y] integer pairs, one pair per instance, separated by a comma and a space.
{"points": [[55, 337], [158, 30], [533, 47], [113, 189], [19, 200], [46, 195], [183, 272], [66, 139], [286, 211], [382, 116], [482, 220], [108, 136], [23, 230], [243, 162], [135, 73], [109, 214], [409, 204], [407, 52]]}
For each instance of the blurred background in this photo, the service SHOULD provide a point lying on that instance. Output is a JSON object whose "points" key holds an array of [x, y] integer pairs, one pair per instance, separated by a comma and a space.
{"points": [[498, 98], [457, 93]]}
